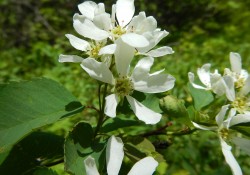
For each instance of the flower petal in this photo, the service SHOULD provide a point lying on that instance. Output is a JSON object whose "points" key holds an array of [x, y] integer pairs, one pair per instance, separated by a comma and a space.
{"points": [[235, 61], [203, 127], [123, 56], [90, 166], [231, 161], [143, 113], [97, 70], [221, 115], [161, 51], [155, 83], [145, 166], [240, 118], [204, 75], [243, 143], [125, 10], [114, 155], [230, 91], [191, 80], [103, 21], [142, 68], [110, 105], [109, 49], [69, 58], [135, 40], [87, 9], [78, 43], [154, 38], [140, 24], [89, 30], [246, 88]]}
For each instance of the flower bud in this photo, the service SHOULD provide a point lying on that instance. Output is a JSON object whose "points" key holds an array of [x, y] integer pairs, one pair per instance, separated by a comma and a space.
{"points": [[173, 106]]}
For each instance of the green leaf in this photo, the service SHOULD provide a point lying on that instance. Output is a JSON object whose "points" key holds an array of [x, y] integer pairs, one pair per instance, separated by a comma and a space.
{"points": [[120, 121], [37, 149], [243, 128], [78, 145], [25, 106], [201, 97], [44, 171]]}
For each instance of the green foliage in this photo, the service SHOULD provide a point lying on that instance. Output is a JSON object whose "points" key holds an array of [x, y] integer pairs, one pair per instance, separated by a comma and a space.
{"points": [[32, 38], [201, 97], [39, 102], [36, 150], [79, 144]]}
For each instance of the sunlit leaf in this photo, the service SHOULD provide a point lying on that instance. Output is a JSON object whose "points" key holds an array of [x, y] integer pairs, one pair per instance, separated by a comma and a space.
{"points": [[201, 97], [25, 106]]}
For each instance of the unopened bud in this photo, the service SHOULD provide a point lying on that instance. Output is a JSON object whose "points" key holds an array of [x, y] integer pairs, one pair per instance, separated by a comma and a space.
{"points": [[173, 106]]}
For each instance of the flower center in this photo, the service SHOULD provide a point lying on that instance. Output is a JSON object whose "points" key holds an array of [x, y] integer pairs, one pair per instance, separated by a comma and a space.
{"points": [[124, 86], [224, 133], [118, 31], [241, 104], [239, 83], [94, 50]]}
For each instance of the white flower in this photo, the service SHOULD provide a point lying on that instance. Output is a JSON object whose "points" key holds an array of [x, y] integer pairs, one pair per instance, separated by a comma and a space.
{"points": [[140, 80], [224, 123], [91, 49], [212, 81], [138, 31], [237, 84], [114, 157], [238, 74]]}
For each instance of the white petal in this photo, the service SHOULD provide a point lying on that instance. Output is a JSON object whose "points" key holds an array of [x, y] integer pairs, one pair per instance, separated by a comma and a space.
{"points": [[221, 115], [140, 24], [203, 127], [230, 91], [103, 21], [191, 80], [125, 10], [246, 88], [70, 58], [135, 40], [243, 143], [87, 9], [145, 166], [114, 155], [123, 56], [159, 52], [240, 118], [97, 70], [110, 105], [109, 49], [155, 83], [78, 43], [142, 68], [90, 166], [204, 74], [89, 30], [218, 84], [143, 113], [78, 17], [231, 161], [154, 38], [235, 61]]}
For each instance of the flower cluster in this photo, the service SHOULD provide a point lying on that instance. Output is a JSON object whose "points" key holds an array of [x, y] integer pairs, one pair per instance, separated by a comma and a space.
{"points": [[110, 43], [235, 85]]}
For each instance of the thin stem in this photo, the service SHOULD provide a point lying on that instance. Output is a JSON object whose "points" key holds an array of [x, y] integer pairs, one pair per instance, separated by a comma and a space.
{"points": [[158, 131], [101, 106]]}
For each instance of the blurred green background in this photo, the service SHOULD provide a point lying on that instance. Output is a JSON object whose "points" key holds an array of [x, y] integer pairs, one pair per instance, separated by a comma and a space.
{"points": [[32, 37]]}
